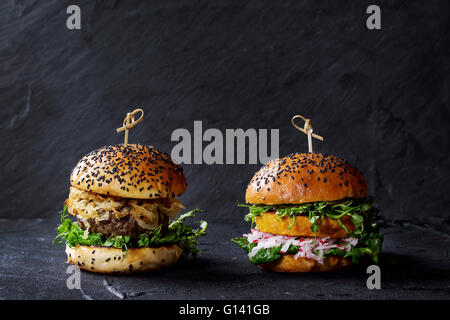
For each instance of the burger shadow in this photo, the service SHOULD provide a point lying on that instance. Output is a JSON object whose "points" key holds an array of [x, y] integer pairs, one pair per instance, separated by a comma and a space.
{"points": [[400, 268], [395, 270], [191, 270]]}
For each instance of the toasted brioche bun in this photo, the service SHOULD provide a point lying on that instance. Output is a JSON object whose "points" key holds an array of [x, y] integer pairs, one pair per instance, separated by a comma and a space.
{"points": [[134, 171], [267, 222], [114, 260], [287, 263], [305, 177]]}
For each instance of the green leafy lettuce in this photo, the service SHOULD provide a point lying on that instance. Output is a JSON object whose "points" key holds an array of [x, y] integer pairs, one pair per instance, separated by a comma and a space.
{"points": [[70, 233], [360, 211]]}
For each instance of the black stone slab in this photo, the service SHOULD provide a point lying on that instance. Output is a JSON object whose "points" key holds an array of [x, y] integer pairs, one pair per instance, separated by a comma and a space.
{"points": [[415, 265], [380, 98]]}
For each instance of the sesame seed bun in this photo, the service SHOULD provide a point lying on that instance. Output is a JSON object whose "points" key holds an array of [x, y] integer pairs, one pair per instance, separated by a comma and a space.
{"points": [[269, 222], [305, 177], [113, 260], [134, 171], [287, 263]]}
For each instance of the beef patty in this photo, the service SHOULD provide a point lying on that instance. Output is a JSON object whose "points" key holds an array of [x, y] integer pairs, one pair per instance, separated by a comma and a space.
{"points": [[119, 227]]}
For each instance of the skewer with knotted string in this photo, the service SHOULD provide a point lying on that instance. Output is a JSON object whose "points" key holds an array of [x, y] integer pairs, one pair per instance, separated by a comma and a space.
{"points": [[307, 129], [129, 123]]}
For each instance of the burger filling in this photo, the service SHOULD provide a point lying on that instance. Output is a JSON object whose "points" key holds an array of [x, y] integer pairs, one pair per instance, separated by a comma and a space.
{"points": [[126, 223], [120, 216], [362, 241], [120, 227]]}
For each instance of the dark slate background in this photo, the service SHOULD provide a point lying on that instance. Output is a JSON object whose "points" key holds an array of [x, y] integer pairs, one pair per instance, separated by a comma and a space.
{"points": [[380, 98]]}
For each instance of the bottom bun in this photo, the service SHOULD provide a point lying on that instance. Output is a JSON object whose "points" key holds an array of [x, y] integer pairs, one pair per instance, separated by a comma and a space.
{"points": [[114, 260], [288, 263]]}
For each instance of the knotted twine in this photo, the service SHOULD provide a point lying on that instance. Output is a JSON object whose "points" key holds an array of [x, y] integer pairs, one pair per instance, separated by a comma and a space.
{"points": [[307, 129], [129, 123]]}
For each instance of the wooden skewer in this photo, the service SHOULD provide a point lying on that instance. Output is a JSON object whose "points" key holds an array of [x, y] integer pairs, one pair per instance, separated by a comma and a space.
{"points": [[129, 123], [307, 129]]}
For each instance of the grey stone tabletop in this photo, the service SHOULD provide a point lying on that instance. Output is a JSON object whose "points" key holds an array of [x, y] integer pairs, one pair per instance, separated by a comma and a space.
{"points": [[415, 265]]}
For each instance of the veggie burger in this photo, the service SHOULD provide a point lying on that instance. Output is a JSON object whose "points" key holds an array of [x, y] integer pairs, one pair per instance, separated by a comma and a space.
{"points": [[124, 200], [309, 212]]}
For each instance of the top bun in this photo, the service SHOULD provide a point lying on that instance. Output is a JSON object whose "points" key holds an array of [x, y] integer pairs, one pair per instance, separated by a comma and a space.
{"points": [[305, 177], [134, 171]]}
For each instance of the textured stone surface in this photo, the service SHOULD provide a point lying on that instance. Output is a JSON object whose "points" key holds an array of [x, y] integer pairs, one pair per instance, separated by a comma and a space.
{"points": [[380, 99], [415, 266]]}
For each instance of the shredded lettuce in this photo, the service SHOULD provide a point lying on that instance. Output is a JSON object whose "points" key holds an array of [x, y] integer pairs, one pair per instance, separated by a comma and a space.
{"points": [[70, 233]]}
